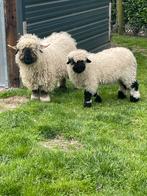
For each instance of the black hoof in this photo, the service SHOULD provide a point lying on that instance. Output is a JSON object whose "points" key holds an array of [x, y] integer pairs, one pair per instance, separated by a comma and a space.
{"points": [[87, 105], [98, 99], [121, 95], [133, 99]]}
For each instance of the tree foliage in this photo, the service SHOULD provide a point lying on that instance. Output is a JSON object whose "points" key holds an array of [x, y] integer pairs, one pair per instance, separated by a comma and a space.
{"points": [[135, 14]]}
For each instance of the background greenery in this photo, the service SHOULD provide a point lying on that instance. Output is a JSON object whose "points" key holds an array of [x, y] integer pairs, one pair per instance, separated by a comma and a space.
{"points": [[135, 14]]}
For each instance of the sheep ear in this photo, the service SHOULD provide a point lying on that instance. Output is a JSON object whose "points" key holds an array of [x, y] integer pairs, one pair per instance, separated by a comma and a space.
{"points": [[88, 61], [43, 46], [13, 47], [70, 61]]}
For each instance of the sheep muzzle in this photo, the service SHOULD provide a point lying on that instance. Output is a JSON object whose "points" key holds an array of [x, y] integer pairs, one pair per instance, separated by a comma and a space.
{"points": [[28, 56], [79, 67]]}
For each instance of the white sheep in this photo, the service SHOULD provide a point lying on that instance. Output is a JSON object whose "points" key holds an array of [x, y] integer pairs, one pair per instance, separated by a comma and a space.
{"points": [[89, 70], [42, 62]]}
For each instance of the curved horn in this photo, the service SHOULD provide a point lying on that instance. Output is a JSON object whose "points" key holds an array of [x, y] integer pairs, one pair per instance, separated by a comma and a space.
{"points": [[44, 45], [13, 47]]}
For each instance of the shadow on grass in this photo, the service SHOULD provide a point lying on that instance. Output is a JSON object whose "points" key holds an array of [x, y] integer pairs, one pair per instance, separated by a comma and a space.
{"points": [[48, 132]]}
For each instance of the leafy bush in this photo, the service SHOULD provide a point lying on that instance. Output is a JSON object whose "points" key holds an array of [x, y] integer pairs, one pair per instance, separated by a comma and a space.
{"points": [[113, 14], [135, 12]]}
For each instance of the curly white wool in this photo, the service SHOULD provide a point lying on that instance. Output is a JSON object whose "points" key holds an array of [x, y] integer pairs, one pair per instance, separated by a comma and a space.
{"points": [[50, 66], [108, 66]]}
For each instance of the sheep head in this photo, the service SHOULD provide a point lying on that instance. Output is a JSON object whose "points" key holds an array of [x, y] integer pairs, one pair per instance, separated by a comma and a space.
{"points": [[78, 60], [28, 49]]}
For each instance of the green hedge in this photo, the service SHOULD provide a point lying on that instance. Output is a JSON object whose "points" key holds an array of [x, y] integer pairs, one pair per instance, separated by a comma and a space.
{"points": [[135, 13]]}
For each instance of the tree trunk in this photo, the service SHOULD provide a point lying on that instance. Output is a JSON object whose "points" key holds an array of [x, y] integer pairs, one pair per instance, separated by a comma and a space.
{"points": [[120, 17], [11, 38]]}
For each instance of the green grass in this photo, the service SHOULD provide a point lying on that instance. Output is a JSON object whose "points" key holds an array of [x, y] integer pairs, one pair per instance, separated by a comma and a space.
{"points": [[113, 135], [130, 42], [14, 91]]}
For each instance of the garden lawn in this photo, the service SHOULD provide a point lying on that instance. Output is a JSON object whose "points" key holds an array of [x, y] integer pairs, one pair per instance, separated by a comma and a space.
{"points": [[61, 148]]}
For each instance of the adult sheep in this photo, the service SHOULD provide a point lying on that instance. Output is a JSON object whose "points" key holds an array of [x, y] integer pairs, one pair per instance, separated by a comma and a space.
{"points": [[88, 71], [42, 62]]}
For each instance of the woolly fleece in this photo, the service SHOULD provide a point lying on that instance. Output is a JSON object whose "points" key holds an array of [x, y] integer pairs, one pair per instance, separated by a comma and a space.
{"points": [[50, 67], [108, 66]]}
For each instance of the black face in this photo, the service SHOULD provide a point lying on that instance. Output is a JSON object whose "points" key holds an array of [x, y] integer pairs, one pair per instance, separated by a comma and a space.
{"points": [[28, 57], [79, 66]]}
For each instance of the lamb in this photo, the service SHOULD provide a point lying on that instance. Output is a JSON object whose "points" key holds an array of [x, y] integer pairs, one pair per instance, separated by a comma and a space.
{"points": [[42, 62], [88, 70]]}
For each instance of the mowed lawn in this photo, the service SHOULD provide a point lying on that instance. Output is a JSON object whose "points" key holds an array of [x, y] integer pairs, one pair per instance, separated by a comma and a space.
{"points": [[61, 148]]}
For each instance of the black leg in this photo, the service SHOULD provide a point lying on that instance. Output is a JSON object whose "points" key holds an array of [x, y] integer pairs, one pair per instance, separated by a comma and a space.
{"points": [[44, 96], [87, 99], [122, 85], [35, 94], [134, 92], [98, 99], [121, 95], [133, 99], [135, 86], [43, 93], [122, 91], [63, 84], [35, 91]]}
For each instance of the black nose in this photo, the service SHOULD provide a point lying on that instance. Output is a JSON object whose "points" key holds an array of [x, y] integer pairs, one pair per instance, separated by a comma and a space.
{"points": [[79, 67], [28, 56]]}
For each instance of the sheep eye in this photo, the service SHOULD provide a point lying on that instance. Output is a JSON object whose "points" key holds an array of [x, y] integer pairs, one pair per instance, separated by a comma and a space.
{"points": [[80, 61], [70, 61]]}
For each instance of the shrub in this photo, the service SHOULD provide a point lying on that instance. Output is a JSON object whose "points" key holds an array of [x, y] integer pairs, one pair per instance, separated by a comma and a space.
{"points": [[135, 12], [113, 12]]}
